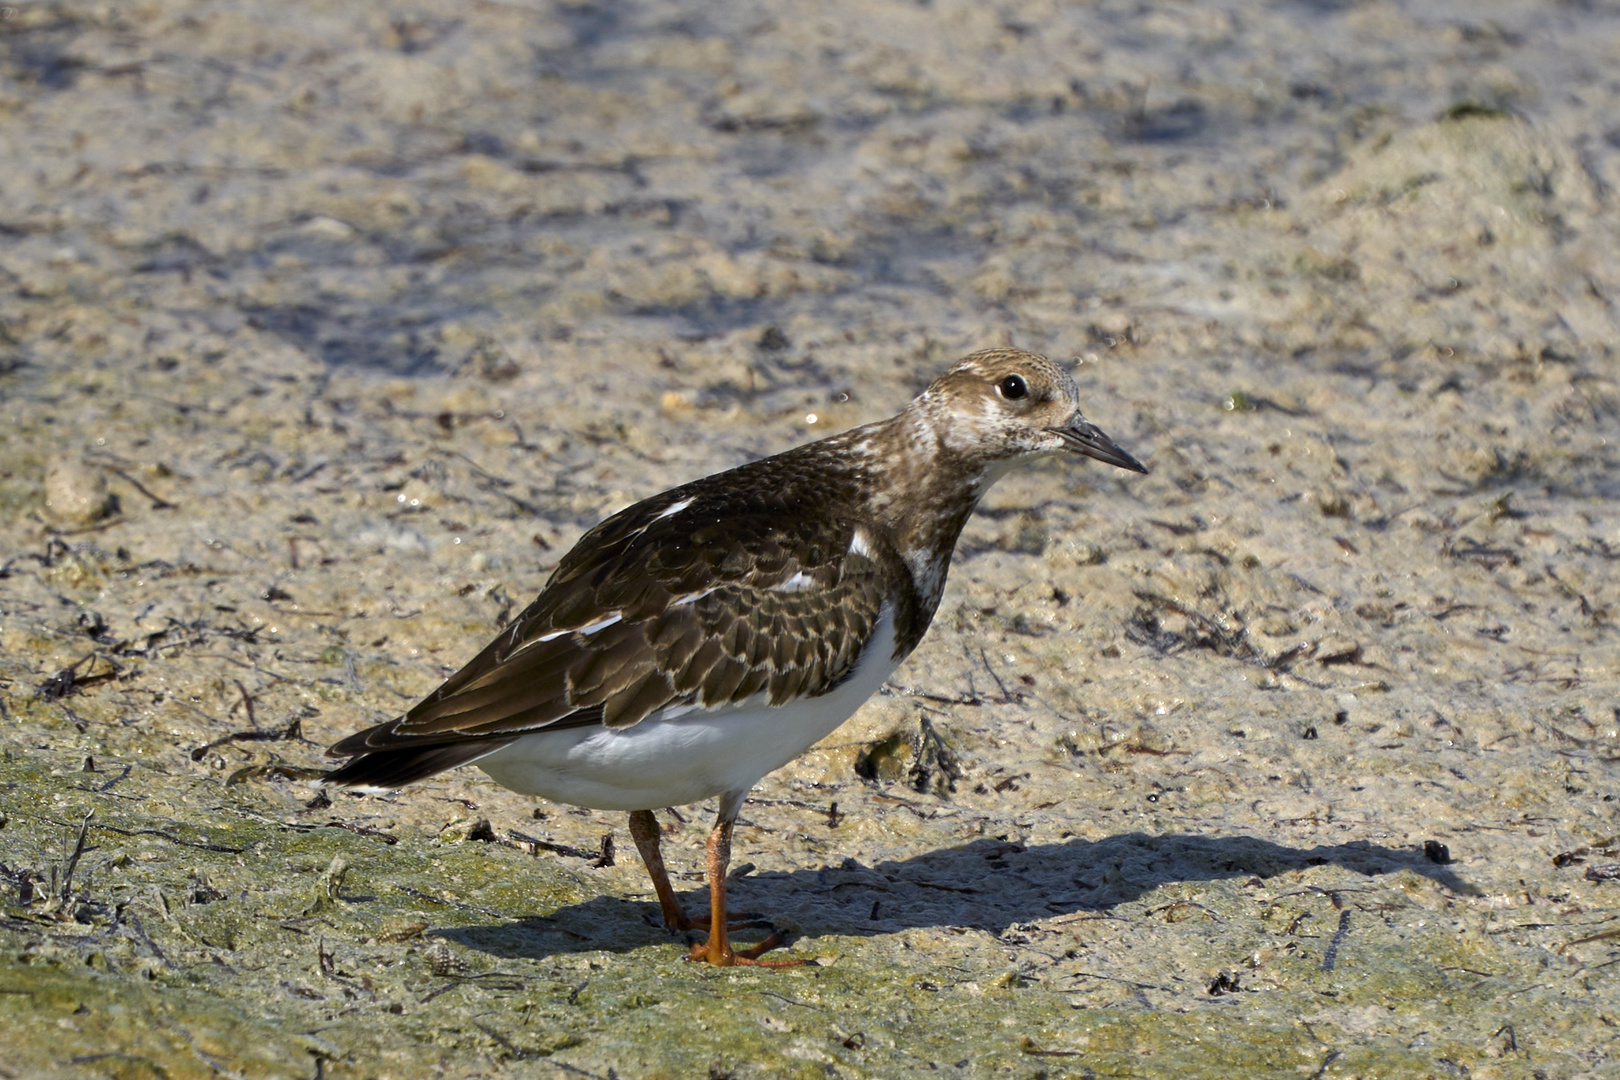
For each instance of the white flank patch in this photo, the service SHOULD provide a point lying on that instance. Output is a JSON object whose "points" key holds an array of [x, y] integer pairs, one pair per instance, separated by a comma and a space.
{"points": [[797, 583], [673, 508], [691, 598], [858, 544]]}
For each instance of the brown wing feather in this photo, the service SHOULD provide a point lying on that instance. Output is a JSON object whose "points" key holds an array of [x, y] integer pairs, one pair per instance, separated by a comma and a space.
{"points": [[694, 611]]}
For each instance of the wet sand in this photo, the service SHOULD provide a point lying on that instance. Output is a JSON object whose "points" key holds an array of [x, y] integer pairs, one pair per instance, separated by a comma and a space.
{"points": [[324, 332]]}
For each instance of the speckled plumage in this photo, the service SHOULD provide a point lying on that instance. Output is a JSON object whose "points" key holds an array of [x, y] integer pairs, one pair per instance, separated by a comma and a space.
{"points": [[715, 619], [699, 608]]}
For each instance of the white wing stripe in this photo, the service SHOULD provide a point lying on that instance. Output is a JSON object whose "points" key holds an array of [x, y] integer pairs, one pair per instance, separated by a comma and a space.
{"points": [[603, 624], [591, 629], [673, 508]]}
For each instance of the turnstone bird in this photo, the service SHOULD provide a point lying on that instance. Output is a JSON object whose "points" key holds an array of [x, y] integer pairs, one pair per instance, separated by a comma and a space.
{"points": [[703, 637]]}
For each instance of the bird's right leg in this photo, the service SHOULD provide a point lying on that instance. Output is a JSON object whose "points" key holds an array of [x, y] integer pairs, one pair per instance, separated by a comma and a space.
{"points": [[644, 830]]}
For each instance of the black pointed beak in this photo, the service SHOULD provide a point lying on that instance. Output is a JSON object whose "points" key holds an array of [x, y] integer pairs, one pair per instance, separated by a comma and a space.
{"points": [[1084, 437]]}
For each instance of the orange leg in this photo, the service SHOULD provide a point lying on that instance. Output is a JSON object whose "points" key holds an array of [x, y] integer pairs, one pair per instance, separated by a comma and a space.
{"points": [[644, 830], [717, 950]]}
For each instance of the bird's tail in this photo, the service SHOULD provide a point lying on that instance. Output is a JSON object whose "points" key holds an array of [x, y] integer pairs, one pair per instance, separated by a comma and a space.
{"points": [[385, 770]]}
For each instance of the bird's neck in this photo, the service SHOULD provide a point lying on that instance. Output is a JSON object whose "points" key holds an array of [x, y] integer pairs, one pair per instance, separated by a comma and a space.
{"points": [[922, 490]]}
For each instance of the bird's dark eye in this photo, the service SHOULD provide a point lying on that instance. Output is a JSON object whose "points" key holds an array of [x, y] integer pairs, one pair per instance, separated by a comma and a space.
{"points": [[1013, 387]]}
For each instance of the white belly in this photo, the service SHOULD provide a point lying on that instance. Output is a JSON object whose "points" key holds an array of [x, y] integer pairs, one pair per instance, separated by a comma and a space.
{"points": [[692, 757]]}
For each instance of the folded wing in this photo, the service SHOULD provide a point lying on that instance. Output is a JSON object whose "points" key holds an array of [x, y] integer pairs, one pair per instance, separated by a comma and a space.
{"points": [[657, 610]]}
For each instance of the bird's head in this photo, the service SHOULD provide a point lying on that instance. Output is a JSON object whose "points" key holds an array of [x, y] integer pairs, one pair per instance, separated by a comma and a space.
{"points": [[999, 407]]}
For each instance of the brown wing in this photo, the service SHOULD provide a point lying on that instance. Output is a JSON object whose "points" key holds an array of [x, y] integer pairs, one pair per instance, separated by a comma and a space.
{"points": [[685, 599]]}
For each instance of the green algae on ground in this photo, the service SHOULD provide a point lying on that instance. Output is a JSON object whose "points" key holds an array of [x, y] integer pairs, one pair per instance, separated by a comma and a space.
{"points": [[188, 956]]}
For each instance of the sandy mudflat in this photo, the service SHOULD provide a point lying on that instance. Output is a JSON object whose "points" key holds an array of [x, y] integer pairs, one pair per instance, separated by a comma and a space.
{"points": [[325, 329]]}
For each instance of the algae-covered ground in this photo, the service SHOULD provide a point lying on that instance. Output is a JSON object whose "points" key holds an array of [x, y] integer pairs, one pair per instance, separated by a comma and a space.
{"points": [[326, 329]]}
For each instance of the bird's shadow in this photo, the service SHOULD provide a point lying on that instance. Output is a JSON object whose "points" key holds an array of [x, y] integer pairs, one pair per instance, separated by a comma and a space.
{"points": [[990, 885]]}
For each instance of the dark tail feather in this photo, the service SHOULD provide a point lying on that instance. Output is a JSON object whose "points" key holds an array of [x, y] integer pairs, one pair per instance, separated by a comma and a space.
{"points": [[396, 768]]}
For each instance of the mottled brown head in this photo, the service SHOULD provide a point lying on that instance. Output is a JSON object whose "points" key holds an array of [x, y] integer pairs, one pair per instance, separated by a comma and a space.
{"points": [[1001, 406]]}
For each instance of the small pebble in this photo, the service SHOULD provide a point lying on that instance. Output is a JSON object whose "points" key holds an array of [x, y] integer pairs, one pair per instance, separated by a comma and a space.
{"points": [[76, 493]]}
